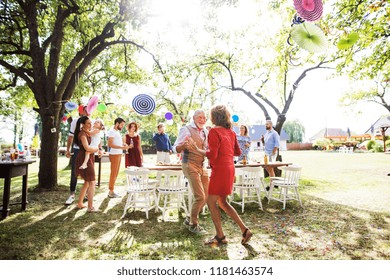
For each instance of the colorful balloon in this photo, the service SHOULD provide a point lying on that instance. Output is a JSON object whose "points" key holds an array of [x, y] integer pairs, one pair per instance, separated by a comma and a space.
{"points": [[235, 118], [168, 116], [102, 107], [170, 122]]}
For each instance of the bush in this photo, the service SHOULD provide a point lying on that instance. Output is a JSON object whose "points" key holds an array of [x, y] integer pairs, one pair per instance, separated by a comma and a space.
{"points": [[387, 144], [378, 148], [371, 145]]}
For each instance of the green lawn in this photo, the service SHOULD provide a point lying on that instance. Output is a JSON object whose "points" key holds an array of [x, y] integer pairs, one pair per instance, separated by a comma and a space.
{"points": [[345, 215]]}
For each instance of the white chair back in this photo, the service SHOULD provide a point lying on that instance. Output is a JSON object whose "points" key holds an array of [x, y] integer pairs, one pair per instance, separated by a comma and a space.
{"points": [[251, 176], [171, 180], [137, 180], [291, 174]]}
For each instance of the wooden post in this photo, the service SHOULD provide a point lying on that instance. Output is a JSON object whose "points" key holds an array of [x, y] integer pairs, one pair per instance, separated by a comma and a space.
{"points": [[383, 129]]}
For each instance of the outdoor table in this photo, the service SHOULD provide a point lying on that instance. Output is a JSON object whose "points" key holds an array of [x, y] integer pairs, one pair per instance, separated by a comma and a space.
{"points": [[238, 165], [259, 164], [99, 160], [8, 170], [163, 167]]}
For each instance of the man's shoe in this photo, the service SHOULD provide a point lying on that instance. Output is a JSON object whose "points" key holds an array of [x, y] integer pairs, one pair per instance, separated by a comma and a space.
{"points": [[70, 200], [113, 195], [186, 221], [197, 229]]}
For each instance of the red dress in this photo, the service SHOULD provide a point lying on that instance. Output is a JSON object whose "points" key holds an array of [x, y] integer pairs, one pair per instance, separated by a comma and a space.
{"points": [[133, 156], [223, 146], [87, 174]]}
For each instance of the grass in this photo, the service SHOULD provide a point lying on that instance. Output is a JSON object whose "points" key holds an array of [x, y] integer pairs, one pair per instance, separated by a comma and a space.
{"points": [[345, 215]]}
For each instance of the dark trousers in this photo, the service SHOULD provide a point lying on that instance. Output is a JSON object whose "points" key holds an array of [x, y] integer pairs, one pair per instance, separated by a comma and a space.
{"points": [[73, 178]]}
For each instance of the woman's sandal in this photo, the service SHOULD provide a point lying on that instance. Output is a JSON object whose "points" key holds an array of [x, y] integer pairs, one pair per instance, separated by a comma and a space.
{"points": [[246, 236], [93, 210], [81, 207], [216, 240]]}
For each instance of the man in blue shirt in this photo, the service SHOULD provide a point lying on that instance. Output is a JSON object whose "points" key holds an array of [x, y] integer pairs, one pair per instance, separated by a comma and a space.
{"points": [[163, 145], [271, 145]]}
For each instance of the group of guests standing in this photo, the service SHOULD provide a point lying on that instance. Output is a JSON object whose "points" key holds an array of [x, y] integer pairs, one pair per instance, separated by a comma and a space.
{"points": [[195, 143]]}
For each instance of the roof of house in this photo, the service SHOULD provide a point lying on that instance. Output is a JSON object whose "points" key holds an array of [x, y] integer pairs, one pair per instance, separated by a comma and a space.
{"points": [[255, 132], [330, 133], [383, 121]]}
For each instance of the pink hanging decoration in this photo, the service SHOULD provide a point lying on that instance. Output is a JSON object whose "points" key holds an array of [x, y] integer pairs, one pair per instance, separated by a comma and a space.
{"points": [[308, 5], [310, 10]]}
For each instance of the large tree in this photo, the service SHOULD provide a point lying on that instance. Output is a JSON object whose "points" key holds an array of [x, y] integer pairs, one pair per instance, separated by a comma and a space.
{"points": [[49, 45]]}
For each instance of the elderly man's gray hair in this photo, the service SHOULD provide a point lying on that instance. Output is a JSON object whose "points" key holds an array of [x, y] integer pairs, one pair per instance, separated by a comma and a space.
{"points": [[198, 112]]}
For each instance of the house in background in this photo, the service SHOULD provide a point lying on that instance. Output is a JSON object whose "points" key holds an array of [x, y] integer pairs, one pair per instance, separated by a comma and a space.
{"points": [[380, 126], [379, 129], [335, 134], [256, 131]]}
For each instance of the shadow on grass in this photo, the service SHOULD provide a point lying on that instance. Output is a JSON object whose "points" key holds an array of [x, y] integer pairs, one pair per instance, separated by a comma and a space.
{"points": [[319, 230]]}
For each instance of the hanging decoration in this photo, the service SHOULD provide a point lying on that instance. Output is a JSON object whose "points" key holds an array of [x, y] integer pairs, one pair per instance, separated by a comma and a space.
{"points": [[81, 109], [70, 106], [348, 42], [169, 122], [297, 20], [309, 37], [168, 116], [144, 104], [310, 10], [92, 104], [235, 118]]}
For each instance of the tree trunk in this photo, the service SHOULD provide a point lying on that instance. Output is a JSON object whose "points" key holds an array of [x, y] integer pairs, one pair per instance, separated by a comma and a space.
{"points": [[49, 153], [279, 123]]}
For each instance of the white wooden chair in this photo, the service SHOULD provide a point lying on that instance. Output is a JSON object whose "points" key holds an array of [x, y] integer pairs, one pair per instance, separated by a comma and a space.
{"points": [[171, 190], [287, 185], [140, 192], [249, 187]]}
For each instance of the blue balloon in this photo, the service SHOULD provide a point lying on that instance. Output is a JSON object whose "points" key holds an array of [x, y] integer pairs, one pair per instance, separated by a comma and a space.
{"points": [[20, 147], [235, 118]]}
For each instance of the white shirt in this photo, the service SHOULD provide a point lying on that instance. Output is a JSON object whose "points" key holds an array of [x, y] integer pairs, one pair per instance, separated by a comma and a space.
{"points": [[95, 140], [117, 141]]}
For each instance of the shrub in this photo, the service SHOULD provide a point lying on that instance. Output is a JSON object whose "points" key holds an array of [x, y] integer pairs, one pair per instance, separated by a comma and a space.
{"points": [[378, 148], [371, 145]]}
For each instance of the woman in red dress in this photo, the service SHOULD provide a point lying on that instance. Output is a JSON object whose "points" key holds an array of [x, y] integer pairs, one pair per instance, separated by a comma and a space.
{"points": [[134, 155], [223, 146], [83, 139]]}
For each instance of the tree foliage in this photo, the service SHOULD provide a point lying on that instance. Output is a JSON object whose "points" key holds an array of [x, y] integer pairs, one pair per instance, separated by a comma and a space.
{"points": [[369, 58], [295, 131]]}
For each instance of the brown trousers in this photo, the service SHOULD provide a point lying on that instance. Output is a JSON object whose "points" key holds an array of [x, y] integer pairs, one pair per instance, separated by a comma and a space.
{"points": [[115, 166], [199, 184]]}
